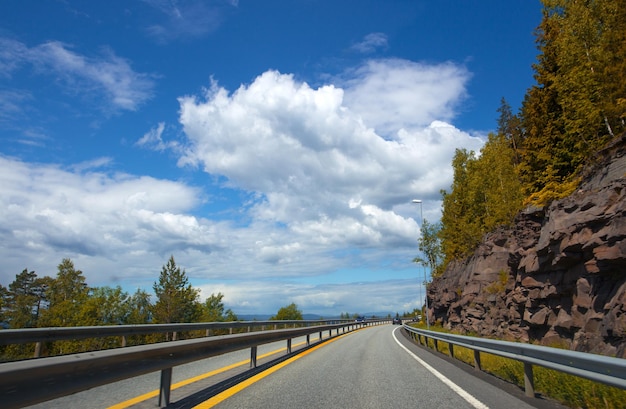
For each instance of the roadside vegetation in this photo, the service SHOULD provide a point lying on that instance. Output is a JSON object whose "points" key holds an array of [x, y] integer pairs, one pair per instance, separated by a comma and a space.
{"points": [[66, 300], [576, 107], [569, 390]]}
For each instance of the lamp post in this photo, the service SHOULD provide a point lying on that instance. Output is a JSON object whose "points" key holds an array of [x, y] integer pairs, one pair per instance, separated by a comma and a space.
{"points": [[418, 201]]}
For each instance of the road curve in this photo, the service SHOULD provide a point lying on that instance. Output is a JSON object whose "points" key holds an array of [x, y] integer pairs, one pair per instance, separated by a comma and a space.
{"points": [[376, 368]]}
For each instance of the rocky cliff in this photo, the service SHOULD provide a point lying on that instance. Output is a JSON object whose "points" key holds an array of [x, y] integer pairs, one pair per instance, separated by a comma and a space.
{"points": [[556, 277]]}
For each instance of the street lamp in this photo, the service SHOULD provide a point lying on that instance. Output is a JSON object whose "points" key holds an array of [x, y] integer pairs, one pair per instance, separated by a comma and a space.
{"points": [[418, 201]]}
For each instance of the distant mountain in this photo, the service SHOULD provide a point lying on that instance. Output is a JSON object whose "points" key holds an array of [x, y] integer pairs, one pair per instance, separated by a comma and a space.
{"points": [[266, 317]]}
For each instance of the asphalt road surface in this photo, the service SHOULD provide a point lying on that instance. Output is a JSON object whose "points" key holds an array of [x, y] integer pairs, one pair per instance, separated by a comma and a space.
{"points": [[372, 368], [375, 367]]}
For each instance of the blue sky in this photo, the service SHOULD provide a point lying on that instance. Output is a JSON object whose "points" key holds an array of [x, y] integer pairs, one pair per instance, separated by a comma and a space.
{"points": [[273, 147]]}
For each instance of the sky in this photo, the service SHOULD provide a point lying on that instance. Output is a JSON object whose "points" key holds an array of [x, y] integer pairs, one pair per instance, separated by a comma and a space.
{"points": [[273, 147]]}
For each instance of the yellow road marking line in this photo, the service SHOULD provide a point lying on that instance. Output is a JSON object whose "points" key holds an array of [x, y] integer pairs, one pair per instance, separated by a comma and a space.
{"points": [[220, 397], [155, 393]]}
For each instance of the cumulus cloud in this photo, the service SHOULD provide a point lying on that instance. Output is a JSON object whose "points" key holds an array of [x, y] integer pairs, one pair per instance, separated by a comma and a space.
{"points": [[49, 213], [318, 167], [249, 297], [392, 94], [328, 179], [109, 76]]}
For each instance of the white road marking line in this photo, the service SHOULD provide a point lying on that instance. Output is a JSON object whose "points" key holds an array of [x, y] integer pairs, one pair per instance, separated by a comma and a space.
{"points": [[456, 388]]}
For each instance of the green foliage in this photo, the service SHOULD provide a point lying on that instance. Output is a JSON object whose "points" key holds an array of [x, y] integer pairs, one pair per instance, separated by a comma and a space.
{"points": [[66, 295], [177, 300], [213, 310], [486, 193], [570, 390], [552, 191], [67, 300], [498, 287], [578, 103], [288, 313], [430, 246], [106, 306], [139, 308], [24, 300]]}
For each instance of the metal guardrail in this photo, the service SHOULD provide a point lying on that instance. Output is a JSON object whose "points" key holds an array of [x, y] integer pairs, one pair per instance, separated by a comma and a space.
{"points": [[38, 380], [50, 334], [604, 369]]}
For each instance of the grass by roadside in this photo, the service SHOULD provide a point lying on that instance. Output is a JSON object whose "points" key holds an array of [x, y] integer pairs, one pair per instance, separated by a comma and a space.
{"points": [[570, 390]]}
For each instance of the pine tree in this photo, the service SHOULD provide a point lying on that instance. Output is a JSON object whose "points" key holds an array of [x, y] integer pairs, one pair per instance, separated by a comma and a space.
{"points": [[177, 300], [66, 295], [24, 300]]}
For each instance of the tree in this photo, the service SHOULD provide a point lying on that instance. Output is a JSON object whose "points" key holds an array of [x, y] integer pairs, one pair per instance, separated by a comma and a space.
{"points": [[544, 154], [177, 300], [486, 192], [66, 295], [590, 39], [4, 300], [139, 308], [24, 300], [106, 306], [496, 183], [288, 313], [213, 308], [509, 127], [460, 229], [578, 103], [430, 246]]}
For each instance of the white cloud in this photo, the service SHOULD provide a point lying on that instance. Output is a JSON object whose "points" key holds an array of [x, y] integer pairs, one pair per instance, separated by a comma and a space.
{"points": [[50, 213], [107, 75], [328, 192], [320, 170], [250, 297], [371, 43], [392, 94], [185, 19], [153, 139]]}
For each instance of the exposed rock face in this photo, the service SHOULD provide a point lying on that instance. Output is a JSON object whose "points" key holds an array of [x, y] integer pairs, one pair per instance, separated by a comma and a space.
{"points": [[557, 276]]}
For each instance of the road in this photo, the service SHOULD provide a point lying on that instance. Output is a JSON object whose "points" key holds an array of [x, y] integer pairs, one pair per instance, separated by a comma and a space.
{"points": [[375, 367], [372, 368]]}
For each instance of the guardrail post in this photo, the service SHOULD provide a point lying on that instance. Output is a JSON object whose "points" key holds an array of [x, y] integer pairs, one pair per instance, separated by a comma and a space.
{"points": [[477, 360], [289, 346], [38, 348], [436, 344], [253, 351], [529, 382], [308, 339], [451, 348], [165, 389]]}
